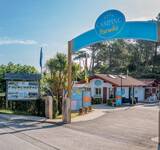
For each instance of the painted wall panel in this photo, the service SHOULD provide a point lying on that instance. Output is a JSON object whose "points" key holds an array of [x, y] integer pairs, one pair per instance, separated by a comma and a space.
{"points": [[78, 96]]}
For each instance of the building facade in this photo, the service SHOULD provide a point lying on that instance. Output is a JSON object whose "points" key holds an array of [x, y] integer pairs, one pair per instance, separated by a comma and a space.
{"points": [[106, 86]]}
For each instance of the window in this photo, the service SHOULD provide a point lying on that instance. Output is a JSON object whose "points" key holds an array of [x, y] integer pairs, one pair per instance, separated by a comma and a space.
{"points": [[98, 91], [111, 93]]}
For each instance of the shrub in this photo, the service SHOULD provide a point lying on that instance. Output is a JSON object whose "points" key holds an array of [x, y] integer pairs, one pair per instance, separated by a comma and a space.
{"points": [[2, 103], [32, 107], [110, 102], [96, 100]]}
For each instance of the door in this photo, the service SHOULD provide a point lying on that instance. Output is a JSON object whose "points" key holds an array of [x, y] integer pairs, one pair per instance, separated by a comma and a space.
{"points": [[104, 94]]}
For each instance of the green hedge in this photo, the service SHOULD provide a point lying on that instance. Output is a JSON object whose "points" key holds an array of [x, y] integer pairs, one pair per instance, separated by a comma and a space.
{"points": [[34, 107]]}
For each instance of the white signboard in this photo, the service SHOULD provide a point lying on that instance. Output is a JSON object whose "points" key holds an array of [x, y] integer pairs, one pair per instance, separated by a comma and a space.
{"points": [[22, 90]]}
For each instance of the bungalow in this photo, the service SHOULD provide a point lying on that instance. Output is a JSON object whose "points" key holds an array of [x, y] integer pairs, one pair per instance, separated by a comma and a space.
{"points": [[152, 90], [106, 86]]}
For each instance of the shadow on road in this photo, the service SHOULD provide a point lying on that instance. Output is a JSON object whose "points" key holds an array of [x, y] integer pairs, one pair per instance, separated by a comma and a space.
{"points": [[17, 126]]}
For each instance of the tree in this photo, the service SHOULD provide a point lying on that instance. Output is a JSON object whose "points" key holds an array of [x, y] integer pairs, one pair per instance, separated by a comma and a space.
{"points": [[112, 57], [121, 56], [13, 68], [94, 50], [158, 17], [57, 77], [82, 56]]}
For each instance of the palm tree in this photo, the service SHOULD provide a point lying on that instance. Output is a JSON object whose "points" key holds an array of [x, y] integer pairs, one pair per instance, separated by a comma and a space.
{"points": [[57, 79]]}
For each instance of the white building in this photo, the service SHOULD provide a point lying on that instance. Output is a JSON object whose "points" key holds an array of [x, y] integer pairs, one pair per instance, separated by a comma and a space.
{"points": [[106, 86]]}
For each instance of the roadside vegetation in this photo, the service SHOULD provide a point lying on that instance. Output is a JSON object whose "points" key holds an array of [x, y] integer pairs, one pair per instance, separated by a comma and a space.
{"points": [[18, 107]]}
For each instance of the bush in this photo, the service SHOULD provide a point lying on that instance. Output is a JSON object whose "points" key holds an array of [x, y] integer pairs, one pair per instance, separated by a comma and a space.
{"points": [[33, 107], [2, 103], [110, 102], [96, 100]]}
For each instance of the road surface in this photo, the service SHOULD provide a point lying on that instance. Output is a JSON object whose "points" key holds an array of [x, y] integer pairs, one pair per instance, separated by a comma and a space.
{"points": [[127, 129]]}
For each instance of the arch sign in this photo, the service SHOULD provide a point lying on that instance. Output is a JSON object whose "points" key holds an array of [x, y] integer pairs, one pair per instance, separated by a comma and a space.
{"points": [[110, 25], [113, 25]]}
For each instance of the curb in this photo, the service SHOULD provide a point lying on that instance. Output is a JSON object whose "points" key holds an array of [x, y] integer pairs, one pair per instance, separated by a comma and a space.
{"points": [[29, 118]]}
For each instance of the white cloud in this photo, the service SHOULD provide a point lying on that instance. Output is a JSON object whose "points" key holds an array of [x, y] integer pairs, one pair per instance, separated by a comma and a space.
{"points": [[44, 45], [17, 41], [140, 19]]}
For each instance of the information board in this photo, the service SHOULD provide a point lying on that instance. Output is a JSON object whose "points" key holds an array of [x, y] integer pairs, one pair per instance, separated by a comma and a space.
{"points": [[22, 90]]}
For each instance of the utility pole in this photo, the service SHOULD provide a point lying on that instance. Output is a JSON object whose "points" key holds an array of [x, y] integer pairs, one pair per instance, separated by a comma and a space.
{"points": [[67, 101], [132, 95]]}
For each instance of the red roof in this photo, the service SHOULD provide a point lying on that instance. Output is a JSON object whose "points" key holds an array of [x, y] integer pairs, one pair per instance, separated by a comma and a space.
{"points": [[117, 80], [150, 82]]}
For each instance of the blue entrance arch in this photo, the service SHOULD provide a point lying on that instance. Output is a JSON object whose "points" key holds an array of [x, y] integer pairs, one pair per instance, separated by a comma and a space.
{"points": [[110, 25], [139, 30]]}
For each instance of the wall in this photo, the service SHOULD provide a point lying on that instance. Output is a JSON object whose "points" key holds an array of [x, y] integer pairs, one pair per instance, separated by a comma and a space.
{"points": [[93, 86], [139, 92], [79, 94], [103, 84], [125, 91]]}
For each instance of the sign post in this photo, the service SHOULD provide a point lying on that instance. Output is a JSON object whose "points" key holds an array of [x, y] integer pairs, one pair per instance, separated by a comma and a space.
{"points": [[22, 87], [158, 43]]}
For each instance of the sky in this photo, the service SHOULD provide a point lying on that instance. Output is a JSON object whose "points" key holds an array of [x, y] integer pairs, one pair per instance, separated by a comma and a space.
{"points": [[27, 25]]}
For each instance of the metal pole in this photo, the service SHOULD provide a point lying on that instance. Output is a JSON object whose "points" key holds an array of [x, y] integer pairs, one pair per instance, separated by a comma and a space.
{"points": [[121, 88], [41, 71], [132, 95], [7, 94], [67, 103], [82, 98]]}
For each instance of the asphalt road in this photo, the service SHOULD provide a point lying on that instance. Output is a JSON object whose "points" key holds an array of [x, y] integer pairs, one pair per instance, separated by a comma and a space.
{"points": [[134, 126], [129, 129], [13, 137]]}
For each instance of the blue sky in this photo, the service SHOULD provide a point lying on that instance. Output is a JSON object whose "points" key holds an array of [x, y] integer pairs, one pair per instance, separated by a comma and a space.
{"points": [[26, 25]]}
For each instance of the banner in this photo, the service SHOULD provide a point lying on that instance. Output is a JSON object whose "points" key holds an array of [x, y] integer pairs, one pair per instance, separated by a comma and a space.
{"points": [[22, 90]]}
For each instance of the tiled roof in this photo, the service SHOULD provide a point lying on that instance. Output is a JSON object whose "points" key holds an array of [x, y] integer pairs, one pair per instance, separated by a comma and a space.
{"points": [[151, 82], [118, 79]]}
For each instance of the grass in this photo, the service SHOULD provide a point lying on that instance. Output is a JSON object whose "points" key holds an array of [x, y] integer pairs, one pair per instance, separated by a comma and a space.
{"points": [[11, 112], [73, 115], [4, 111]]}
